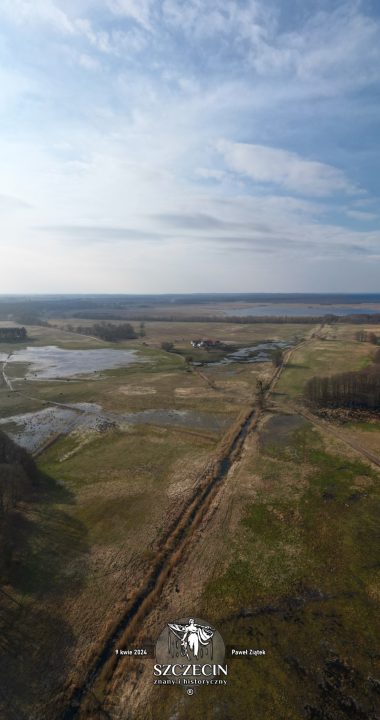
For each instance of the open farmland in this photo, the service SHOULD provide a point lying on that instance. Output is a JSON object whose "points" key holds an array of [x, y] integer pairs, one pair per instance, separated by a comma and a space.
{"points": [[121, 451], [298, 577], [276, 552], [291, 550]]}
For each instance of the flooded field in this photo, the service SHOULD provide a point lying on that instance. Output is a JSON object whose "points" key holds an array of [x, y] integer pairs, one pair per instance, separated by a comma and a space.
{"points": [[33, 430], [262, 352], [50, 362]]}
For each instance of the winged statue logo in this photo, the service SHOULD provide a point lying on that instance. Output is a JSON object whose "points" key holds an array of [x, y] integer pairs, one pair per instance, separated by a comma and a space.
{"points": [[190, 651], [195, 639]]}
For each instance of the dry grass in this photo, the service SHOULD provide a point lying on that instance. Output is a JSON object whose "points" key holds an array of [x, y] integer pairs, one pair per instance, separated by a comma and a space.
{"points": [[123, 492]]}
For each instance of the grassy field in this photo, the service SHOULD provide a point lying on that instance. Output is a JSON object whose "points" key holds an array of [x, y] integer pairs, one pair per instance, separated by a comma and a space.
{"points": [[108, 494], [333, 349], [163, 381], [181, 333], [301, 581], [296, 571]]}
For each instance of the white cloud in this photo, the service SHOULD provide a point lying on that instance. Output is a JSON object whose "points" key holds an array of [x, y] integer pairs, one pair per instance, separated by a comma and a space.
{"points": [[210, 174], [46, 12], [199, 19], [362, 215], [283, 168], [8, 203], [37, 11], [333, 51], [138, 10], [88, 62], [118, 161]]}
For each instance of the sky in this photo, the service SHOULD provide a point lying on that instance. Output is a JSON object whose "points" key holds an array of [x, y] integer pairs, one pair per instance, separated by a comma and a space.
{"points": [[189, 146]]}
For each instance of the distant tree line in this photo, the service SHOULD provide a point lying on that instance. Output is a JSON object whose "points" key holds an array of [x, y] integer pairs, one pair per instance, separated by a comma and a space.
{"points": [[18, 475], [55, 306], [107, 331], [13, 334], [356, 319], [26, 318], [133, 307], [358, 389]]}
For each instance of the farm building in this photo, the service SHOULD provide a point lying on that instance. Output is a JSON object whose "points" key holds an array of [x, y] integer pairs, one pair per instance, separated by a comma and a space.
{"points": [[205, 343]]}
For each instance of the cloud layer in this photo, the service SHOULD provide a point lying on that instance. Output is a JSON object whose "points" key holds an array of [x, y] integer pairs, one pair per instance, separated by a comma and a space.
{"points": [[285, 169], [189, 146]]}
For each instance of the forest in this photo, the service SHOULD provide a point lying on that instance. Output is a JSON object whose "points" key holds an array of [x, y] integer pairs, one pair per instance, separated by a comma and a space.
{"points": [[107, 331], [13, 334], [359, 389]]}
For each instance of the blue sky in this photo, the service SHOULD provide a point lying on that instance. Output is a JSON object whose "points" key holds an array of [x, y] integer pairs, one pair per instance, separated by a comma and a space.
{"points": [[189, 145]]}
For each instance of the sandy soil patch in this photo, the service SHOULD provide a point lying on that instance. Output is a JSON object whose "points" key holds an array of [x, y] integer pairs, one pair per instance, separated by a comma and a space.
{"points": [[233, 386], [180, 487], [137, 390], [194, 392]]}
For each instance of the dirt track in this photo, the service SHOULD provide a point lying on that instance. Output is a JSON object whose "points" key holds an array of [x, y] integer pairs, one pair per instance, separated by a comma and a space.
{"points": [[331, 428]]}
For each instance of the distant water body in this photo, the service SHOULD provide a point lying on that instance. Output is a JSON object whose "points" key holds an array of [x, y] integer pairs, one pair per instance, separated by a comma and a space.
{"points": [[50, 362], [307, 305]]}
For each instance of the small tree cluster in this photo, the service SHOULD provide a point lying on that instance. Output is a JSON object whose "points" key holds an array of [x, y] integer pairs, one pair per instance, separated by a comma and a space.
{"points": [[108, 331], [359, 389], [13, 334], [366, 336]]}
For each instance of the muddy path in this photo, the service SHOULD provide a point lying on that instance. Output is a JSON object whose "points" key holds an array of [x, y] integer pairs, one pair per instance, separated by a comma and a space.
{"points": [[98, 681], [5, 377]]}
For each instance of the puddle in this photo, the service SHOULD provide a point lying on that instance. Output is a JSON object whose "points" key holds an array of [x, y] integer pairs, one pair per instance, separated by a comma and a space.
{"points": [[50, 362], [33, 430]]}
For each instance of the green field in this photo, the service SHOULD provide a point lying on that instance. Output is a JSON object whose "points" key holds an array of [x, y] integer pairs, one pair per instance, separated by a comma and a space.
{"points": [[333, 349]]}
